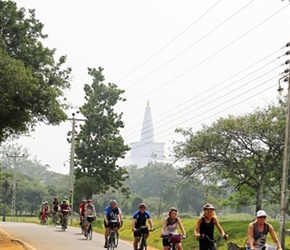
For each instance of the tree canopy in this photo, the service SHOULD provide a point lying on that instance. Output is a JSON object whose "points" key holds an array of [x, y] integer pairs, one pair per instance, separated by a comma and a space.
{"points": [[99, 143], [244, 152], [32, 82]]}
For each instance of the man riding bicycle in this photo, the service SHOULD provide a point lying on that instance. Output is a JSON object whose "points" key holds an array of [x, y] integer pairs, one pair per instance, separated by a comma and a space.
{"points": [[54, 208], [89, 212], [111, 213], [82, 211], [64, 210], [139, 220]]}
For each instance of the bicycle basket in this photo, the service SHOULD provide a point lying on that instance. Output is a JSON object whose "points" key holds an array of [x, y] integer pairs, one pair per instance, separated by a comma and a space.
{"points": [[113, 223], [144, 230], [174, 238]]}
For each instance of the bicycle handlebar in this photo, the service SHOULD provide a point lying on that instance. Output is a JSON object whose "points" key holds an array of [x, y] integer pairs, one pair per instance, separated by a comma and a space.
{"points": [[214, 240]]}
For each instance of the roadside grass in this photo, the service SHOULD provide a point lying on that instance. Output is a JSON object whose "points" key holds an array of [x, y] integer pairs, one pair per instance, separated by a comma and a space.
{"points": [[234, 225]]}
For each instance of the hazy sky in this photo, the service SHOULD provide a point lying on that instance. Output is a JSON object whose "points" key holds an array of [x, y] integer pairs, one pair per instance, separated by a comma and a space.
{"points": [[195, 61]]}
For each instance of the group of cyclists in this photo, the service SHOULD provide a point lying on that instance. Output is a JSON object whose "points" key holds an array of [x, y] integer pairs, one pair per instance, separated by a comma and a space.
{"points": [[204, 227], [57, 209]]}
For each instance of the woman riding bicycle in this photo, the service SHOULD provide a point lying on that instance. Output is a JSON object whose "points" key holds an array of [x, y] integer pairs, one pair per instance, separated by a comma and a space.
{"points": [[205, 226], [169, 229], [90, 214]]}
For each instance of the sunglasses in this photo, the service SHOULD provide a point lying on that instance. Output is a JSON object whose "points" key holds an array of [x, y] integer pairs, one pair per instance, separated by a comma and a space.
{"points": [[263, 217]]}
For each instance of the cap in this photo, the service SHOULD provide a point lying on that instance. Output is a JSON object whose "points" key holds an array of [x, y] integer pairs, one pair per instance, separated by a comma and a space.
{"points": [[261, 213]]}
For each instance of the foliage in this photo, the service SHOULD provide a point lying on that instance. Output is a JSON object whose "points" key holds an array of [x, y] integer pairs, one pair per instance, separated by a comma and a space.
{"points": [[99, 143], [244, 152], [32, 82], [34, 182]]}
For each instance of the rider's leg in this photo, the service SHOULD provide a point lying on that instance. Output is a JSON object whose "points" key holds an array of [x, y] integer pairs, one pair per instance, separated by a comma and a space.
{"points": [[179, 246], [135, 243], [136, 239], [165, 243], [106, 233]]}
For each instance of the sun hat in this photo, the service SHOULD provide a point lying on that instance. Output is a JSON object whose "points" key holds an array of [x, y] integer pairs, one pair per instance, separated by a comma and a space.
{"points": [[261, 213]]}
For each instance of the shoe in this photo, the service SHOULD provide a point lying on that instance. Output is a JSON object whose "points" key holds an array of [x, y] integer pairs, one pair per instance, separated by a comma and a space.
{"points": [[106, 245]]}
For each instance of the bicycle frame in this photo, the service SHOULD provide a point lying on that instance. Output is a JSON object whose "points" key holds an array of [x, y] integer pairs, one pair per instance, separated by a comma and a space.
{"points": [[142, 239], [64, 222], [213, 242], [112, 237]]}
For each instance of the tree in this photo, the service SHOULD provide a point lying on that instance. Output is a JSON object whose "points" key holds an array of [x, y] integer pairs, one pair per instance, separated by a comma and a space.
{"points": [[32, 82], [246, 151], [99, 143]]}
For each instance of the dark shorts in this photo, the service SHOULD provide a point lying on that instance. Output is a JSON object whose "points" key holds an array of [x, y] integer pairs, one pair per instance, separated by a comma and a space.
{"points": [[114, 226], [165, 241], [138, 232]]}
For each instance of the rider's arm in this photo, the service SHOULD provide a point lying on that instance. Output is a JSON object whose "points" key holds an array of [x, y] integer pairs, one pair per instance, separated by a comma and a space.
{"points": [[181, 226], [133, 224], [196, 229], [250, 235], [216, 222], [150, 222], [273, 236], [164, 225]]}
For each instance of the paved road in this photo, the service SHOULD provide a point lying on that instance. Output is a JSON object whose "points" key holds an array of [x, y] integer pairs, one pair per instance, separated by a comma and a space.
{"points": [[49, 237]]}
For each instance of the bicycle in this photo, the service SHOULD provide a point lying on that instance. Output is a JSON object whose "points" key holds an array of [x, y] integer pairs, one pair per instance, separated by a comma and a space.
{"points": [[213, 242], [43, 218], [54, 218], [64, 219], [173, 239], [143, 230], [113, 235], [89, 232]]}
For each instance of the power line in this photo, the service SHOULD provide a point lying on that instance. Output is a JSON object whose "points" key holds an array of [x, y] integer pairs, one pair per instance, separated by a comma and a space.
{"points": [[204, 60], [171, 41], [199, 40], [213, 88]]}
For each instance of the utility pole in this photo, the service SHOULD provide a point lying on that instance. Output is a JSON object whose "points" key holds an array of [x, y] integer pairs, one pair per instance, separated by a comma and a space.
{"points": [[72, 162], [286, 154], [15, 156]]}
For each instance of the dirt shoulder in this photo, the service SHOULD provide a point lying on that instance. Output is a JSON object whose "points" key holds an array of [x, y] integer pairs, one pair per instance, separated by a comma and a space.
{"points": [[8, 243]]}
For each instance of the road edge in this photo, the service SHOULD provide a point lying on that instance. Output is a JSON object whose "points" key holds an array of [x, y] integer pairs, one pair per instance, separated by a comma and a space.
{"points": [[25, 245]]}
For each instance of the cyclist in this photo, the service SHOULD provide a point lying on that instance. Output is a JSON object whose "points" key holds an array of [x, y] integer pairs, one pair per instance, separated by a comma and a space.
{"points": [[64, 210], [205, 225], [89, 210], [258, 230], [170, 227], [111, 213], [55, 206], [139, 220], [44, 211], [82, 211]]}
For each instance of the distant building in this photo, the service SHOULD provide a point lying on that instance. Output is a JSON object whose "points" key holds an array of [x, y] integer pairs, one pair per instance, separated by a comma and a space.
{"points": [[146, 150]]}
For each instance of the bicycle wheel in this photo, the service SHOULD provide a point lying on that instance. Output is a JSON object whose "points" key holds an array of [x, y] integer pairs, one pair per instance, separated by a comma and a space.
{"points": [[90, 232], [54, 220], [142, 243], [116, 238], [111, 241]]}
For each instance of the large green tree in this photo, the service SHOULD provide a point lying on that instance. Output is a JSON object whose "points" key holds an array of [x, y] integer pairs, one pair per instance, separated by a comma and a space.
{"points": [[99, 144], [243, 151], [32, 82]]}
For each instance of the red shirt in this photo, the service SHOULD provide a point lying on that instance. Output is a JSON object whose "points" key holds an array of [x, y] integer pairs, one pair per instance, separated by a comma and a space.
{"points": [[82, 208]]}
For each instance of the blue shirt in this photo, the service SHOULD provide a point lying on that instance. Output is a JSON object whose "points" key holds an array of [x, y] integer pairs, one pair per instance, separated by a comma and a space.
{"points": [[111, 214], [141, 218]]}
